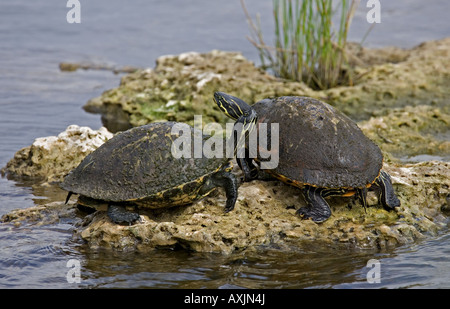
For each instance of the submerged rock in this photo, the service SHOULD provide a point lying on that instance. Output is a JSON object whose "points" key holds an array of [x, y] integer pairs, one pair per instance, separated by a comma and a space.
{"points": [[50, 158], [71, 67], [41, 215]]}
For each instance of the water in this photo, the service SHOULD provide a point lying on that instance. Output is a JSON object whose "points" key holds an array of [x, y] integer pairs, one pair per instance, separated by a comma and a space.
{"points": [[38, 100]]}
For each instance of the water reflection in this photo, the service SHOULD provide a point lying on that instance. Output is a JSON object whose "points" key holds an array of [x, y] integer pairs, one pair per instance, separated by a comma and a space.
{"points": [[266, 268], [35, 255]]}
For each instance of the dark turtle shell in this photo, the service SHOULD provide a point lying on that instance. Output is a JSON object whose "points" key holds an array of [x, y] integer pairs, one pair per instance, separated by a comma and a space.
{"points": [[137, 165], [319, 146]]}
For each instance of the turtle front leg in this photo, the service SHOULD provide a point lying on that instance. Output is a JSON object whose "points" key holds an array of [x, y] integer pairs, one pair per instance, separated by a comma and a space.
{"points": [[227, 180], [250, 171], [387, 196], [317, 208]]}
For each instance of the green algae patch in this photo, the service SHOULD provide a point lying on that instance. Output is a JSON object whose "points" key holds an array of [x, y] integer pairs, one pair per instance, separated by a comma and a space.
{"points": [[407, 132], [182, 86], [393, 77]]}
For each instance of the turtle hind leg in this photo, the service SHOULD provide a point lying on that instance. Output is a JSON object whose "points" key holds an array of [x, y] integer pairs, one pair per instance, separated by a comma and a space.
{"points": [[119, 215], [317, 208], [387, 196]]}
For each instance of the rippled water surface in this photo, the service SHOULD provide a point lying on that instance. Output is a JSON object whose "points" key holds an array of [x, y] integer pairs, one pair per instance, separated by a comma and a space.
{"points": [[36, 100]]}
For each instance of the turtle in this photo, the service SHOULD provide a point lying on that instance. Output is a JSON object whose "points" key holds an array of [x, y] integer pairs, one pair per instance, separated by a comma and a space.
{"points": [[321, 151], [140, 168]]}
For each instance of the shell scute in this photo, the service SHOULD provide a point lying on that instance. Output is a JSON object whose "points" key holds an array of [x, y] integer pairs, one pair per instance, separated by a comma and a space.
{"points": [[318, 145]]}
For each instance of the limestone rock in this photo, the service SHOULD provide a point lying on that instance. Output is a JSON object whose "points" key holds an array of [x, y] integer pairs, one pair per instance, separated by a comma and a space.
{"points": [[409, 132], [50, 158], [182, 86], [265, 216], [408, 95]]}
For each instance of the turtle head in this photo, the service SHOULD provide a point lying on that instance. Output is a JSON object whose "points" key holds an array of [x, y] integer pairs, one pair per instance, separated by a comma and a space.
{"points": [[238, 110], [233, 107]]}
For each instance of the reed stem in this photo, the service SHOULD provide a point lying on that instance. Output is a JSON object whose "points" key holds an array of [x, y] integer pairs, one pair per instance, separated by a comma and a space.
{"points": [[307, 48]]}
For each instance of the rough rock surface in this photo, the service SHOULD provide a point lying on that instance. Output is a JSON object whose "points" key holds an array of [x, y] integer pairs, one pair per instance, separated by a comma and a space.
{"points": [[265, 216], [414, 81], [408, 132], [418, 76], [50, 158], [181, 86], [46, 214]]}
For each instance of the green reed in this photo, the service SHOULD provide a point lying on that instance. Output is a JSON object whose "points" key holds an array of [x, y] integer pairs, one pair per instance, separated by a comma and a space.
{"points": [[308, 47]]}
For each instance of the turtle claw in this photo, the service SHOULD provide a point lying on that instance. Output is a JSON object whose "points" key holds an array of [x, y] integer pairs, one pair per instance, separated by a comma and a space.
{"points": [[317, 208], [68, 197], [387, 196], [228, 209], [228, 181], [310, 213]]}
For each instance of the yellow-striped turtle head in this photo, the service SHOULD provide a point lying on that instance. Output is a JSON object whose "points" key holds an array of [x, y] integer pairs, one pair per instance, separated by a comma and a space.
{"points": [[238, 110]]}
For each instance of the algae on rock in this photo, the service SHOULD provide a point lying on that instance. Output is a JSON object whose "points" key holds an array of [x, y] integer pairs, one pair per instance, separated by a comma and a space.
{"points": [[180, 87], [411, 131], [418, 76]]}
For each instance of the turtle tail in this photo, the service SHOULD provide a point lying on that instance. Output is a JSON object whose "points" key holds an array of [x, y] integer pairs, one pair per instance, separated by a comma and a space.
{"points": [[68, 197], [362, 194]]}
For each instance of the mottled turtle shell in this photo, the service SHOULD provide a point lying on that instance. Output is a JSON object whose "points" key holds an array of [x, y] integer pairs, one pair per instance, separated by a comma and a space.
{"points": [[318, 145], [137, 165]]}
